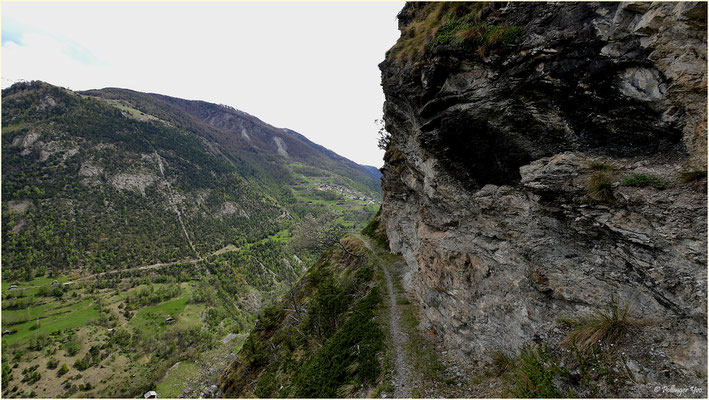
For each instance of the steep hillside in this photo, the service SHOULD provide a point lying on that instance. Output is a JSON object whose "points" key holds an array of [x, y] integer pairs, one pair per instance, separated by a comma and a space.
{"points": [[322, 339], [545, 181], [85, 185]]}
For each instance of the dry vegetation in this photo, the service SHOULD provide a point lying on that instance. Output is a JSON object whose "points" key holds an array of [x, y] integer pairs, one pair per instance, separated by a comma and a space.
{"points": [[459, 24]]}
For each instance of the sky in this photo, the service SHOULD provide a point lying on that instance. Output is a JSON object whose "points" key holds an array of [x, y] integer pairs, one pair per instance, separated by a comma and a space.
{"points": [[306, 66]]}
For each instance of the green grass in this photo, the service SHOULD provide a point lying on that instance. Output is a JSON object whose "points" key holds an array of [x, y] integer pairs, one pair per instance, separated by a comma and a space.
{"points": [[148, 317], [535, 374], [422, 357], [643, 180], [191, 315], [173, 384], [472, 34], [51, 324], [132, 112], [42, 311], [15, 127], [459, 24], [39, 281], [226, 249], [281, 236]]}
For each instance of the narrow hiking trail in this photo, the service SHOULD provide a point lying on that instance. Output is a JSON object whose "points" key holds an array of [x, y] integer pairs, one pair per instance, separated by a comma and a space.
{"points": [[402, 376]]}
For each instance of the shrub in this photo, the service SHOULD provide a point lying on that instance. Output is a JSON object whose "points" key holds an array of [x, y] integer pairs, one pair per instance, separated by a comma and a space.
{"points": [[38, 342], [71, 348], [63, 370], [326, 306], [6, 375], [30, 375], [376, 230], [501, 362], [52, 363], [600, 166], [335, 364], [643, 180]]}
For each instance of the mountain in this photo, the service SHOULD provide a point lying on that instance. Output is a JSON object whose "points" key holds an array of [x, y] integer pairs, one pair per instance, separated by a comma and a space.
{"points": [[113, 178], [242, 134]]}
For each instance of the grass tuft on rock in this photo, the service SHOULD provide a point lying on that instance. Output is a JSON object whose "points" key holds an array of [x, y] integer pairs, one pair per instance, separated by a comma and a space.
{"points": [[601, 327], [601, 187], [535, 373], [600, 166], [643, 180], [502, 362], [692, 175]]}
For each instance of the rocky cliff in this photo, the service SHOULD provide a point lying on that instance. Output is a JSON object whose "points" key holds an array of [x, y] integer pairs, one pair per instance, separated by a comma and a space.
{"points": [[545, 160]]}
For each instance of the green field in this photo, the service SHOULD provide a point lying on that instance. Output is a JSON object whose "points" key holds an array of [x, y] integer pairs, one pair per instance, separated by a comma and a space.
{"points": [[153, 317], [191, 316], [39, 281], [51, 324], [43, 311]]}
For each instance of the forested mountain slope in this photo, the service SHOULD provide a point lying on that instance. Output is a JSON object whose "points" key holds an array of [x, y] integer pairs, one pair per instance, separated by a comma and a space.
{"points": [[139, 179]]}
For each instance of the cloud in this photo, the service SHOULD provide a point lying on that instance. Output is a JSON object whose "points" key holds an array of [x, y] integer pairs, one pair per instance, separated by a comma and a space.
{"points": [[11, 31], [45, 58], [16, 33], [79, 52]]}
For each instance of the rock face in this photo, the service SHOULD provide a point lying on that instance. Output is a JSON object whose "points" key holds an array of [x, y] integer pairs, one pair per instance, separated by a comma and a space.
{"points": [[510, 183]]}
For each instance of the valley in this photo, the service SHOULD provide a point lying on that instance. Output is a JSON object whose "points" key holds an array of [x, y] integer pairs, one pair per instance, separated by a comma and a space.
{"points": [[139, 248]]}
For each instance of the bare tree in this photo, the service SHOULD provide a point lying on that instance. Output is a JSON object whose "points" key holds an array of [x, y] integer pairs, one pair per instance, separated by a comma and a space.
{"points": [[316, 234]]}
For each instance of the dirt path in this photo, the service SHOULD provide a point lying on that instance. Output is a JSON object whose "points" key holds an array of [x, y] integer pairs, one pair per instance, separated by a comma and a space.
{"points": [[402, 380]]}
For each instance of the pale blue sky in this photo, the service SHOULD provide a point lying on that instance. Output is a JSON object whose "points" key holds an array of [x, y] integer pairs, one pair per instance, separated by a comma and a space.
{"points": [[310, 67]]}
